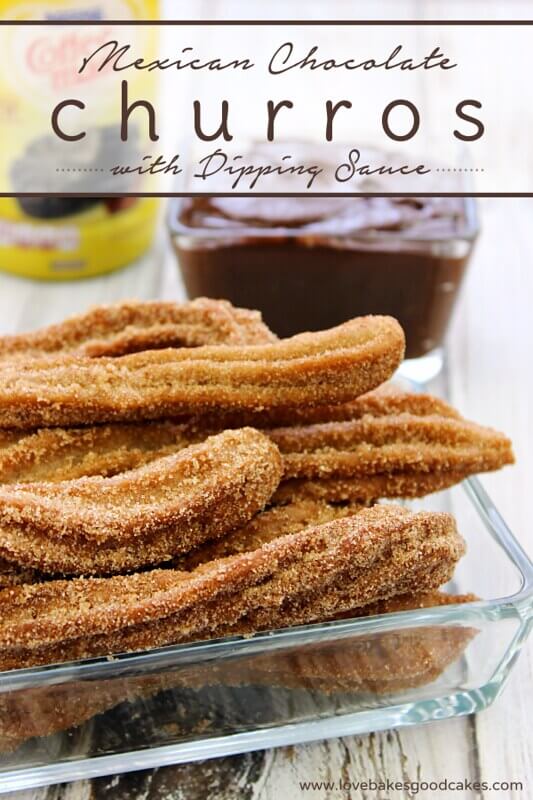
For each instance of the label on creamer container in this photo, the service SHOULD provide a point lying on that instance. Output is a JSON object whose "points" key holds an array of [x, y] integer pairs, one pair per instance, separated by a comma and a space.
{"points": [[62, 237]]}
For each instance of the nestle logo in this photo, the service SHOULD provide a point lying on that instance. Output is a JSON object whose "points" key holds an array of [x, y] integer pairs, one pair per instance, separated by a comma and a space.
{"points": [[88, 13]]}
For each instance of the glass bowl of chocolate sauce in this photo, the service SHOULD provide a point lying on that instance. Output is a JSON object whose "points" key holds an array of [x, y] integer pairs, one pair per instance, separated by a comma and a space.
{"points": [[309, 263]]}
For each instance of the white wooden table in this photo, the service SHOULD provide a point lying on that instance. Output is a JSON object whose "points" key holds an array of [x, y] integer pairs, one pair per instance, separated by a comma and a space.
{"points": [[489, 375]]}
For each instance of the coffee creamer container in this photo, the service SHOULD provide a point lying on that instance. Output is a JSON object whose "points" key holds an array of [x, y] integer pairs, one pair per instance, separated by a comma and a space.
{"points": [[59, 238]]}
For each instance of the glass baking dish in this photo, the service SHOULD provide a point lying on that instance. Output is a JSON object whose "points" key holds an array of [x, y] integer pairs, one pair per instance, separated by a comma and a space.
{"points": [[215, 698]]}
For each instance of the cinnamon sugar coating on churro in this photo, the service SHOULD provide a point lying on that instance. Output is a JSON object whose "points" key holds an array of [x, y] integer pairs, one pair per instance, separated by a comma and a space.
{"points": [[279, 520], [312, 369], [423, 565], [130, 327], [390, 444], [61, 454], [378, 553], [408, 602], [388, 453], [385, 400], [142, 517], [396, 455], [13, 575], [377, 663], [367, 490], [265, 526]]}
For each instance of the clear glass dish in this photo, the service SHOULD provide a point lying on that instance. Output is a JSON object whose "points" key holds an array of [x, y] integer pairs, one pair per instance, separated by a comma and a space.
{"points": [[191, 702]]}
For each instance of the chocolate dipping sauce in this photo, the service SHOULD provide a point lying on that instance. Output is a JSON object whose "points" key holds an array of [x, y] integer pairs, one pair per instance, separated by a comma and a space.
{"points": [[310, 263]]}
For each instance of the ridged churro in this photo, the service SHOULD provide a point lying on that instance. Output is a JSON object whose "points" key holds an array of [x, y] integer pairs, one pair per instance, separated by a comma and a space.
{"points": [[383, 452], [378, 553], [62, 454], [376, 663], [311, 369], [13, 575], [390, 444], [279, 520], [142, 517], [130, 327], [265, 526], [56, 454], [396, 455], [384, 400], [430, 565], [366, 490]]}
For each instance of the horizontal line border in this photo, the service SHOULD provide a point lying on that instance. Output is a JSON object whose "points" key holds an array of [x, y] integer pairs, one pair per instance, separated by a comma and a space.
{"points": [[274, 22], [266, 194]]}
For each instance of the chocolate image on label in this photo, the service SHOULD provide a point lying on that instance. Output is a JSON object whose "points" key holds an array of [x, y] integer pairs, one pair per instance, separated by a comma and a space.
{"points": [[77, 170]]}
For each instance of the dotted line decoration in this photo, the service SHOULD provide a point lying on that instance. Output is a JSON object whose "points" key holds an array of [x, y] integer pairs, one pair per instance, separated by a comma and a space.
{"points": [[459, 169], [437, 169], [80, 169]]}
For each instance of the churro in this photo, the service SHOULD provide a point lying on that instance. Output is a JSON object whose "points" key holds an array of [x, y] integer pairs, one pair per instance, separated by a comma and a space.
{"points": [[265, 526], [381, 664], [142, 517], [429, 565], [396, 455], [311, 369], [13, 575], [130, 327], [380, 453], [385, 400], [377, 663], [378, 553], [61, 454], [366, 490], [390, 444], [279, 520], [57, 454]]}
